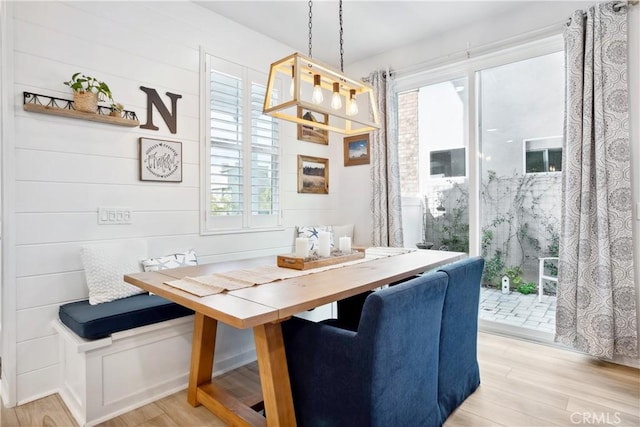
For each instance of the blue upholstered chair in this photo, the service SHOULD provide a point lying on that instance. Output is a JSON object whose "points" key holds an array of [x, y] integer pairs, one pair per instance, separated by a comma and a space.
{"points": [[384, 374], [458, 372]]}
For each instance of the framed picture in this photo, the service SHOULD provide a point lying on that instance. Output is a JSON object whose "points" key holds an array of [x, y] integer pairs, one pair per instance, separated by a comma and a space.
{"points": [[309, 133], [356, 150], [160, 160], [313, 175]]}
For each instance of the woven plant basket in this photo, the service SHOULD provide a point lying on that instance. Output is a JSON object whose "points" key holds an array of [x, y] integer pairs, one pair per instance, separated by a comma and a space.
{"points": [[85, 101]]}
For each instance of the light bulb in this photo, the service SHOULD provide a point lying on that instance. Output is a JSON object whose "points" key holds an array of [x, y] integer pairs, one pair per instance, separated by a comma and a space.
{"points": [[336, 99], [352, 104], [317, 97], [292, 87], [353, 108]]}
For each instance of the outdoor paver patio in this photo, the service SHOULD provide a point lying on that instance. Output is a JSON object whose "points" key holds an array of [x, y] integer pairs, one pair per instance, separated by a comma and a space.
{"points": [[516, 309]]}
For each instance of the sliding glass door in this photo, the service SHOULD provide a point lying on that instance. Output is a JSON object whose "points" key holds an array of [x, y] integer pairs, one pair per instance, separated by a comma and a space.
{"points": [[481, 163], [520, 139]]}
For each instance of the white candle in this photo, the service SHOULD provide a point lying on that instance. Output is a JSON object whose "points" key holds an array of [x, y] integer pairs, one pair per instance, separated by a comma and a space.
{"points": [[324, 245], [345, 244], [302, 247]]}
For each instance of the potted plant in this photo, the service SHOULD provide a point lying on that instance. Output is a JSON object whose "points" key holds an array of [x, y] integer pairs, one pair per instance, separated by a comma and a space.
{"points": [[116, 109], [87, 91]]}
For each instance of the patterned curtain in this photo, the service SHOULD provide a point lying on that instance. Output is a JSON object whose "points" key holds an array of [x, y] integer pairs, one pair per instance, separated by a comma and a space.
{"points": [[596, 293], [385, 171]]}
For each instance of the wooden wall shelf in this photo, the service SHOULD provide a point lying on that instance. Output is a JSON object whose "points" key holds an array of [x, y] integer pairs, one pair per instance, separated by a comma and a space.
{"points": [[63, 107]]}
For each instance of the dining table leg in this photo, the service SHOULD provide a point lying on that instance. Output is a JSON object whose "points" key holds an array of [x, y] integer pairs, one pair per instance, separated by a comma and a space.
{"points": [[274, 375], [202, 349]]}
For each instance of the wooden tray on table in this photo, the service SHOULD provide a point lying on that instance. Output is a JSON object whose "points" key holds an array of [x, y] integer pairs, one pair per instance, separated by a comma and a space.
{"points": [[291, 261]]}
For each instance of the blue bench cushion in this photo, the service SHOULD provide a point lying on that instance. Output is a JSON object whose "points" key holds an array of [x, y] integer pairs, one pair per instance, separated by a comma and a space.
{"points": [[99, 321]]}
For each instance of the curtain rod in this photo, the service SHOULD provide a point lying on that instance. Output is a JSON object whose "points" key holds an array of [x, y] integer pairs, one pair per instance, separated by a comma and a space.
{"points": [[385, 73], [616, 6]]}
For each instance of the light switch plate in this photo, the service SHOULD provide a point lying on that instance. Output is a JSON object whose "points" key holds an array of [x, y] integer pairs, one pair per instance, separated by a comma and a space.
{"points": [[114, 215]]}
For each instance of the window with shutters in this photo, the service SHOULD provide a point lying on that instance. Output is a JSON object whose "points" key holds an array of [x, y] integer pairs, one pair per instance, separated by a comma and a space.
{"points": [[242, 152]]}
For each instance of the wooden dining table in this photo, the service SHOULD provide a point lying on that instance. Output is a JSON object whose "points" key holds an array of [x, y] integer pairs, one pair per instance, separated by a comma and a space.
{"points": [[263, 308]]}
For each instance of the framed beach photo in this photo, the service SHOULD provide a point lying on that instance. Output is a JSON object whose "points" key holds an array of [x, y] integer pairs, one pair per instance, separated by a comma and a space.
{"points": [[313, 175], [356, 150], [310, 133], [160, 160]]}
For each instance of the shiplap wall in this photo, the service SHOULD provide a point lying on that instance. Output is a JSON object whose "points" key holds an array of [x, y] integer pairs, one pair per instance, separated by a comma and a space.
{"points": [[66, 168]]}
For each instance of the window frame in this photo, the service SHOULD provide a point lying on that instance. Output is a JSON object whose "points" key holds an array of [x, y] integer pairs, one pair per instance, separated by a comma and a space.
{"points": [[545, 153], [246, 221], [451, 177]]}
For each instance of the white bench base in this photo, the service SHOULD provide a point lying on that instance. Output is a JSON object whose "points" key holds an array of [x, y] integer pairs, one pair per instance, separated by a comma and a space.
{"points": [[101, 379], [104, 378]]}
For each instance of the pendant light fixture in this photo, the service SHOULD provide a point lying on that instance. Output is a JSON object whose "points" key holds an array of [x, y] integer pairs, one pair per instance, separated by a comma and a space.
{"points": [[308, 79]]}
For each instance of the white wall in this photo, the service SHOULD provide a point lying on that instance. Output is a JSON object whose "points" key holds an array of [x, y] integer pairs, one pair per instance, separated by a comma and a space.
{"points": [[3, 103], [66, 168]]}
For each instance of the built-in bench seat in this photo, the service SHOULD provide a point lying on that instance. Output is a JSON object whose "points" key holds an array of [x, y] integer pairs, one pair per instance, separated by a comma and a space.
{"points": [[120, 355], [105, 377], [98, 321], [121, 348]]}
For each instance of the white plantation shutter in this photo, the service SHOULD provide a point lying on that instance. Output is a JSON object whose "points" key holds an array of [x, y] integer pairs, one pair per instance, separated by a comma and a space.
{"points": [[243, 151], [265, 161], [226, 145]]}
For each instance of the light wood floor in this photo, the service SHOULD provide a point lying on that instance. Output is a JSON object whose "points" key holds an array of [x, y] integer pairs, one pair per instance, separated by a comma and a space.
{"points": [[523, 384]]}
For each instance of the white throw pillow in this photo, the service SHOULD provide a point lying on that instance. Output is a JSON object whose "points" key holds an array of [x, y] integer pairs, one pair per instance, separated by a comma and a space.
{"points": [[105, 265], [311, 233], [181, 259]]}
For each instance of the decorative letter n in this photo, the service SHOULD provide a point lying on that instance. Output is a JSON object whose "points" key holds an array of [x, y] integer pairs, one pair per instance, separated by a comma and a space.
{"points": [[154, 99]]}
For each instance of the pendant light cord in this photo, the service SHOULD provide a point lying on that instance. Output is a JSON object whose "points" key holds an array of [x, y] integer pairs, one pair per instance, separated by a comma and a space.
{"points": [[341, 33], [310, 26], [341, 41]]}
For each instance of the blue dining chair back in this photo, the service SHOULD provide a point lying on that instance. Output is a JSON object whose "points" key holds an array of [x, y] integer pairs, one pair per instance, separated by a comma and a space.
{"points": [[458, 372], [384, 374]]}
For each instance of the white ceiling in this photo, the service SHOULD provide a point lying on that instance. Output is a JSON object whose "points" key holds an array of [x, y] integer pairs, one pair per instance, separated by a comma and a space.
{"points": [[370, 27]]}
